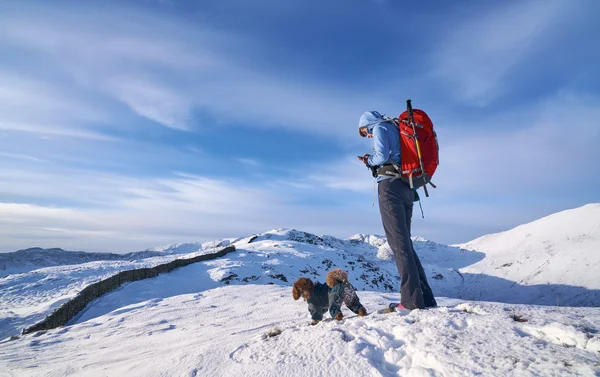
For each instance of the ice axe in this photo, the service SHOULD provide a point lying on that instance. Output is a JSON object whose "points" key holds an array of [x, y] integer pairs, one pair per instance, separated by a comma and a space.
{"points": [[411, 121]]}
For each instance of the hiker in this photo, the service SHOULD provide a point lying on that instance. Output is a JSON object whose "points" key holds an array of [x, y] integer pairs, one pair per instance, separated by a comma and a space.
{"points": [[396, 207]]}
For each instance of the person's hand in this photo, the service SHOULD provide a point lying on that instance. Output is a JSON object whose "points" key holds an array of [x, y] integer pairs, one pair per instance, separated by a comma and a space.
{"points": [[365, 159]]}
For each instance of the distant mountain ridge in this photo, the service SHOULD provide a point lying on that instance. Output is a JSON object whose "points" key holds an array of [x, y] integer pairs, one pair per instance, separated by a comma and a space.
{"points": [[550, 261], [37, 257]]}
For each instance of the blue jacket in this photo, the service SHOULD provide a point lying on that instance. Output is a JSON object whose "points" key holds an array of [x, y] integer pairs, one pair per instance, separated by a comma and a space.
{"points": [[386, 139]]}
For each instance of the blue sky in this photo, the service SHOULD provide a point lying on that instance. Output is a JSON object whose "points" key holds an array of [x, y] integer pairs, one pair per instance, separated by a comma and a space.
{"points": [[128, 124]]}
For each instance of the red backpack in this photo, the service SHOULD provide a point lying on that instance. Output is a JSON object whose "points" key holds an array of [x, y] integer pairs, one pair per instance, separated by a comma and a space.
{"points": [[419, 155]]}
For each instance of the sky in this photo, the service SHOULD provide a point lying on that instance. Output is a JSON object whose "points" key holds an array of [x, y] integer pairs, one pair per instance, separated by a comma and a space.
{"points": [[130, 124]]}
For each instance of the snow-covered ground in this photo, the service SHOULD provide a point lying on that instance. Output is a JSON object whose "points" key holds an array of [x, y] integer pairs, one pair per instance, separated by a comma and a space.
{"points": [[210, 318], [226, 331]]}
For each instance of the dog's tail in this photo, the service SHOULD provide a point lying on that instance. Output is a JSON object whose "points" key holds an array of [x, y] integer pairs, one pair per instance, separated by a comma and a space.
{"points": [[334, 276]]}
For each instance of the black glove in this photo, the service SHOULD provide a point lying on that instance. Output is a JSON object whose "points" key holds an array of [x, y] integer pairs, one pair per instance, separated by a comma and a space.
{"points": [[373, 170]]}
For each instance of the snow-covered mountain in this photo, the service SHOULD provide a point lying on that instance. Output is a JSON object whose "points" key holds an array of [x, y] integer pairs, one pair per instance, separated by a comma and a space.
{"points": [[551, 261], [190, 247]]}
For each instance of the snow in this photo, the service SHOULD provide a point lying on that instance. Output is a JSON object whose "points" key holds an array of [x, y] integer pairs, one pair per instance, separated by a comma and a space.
{"points": [[224, 331], [551, 261], [27, 298], [235, 315]]}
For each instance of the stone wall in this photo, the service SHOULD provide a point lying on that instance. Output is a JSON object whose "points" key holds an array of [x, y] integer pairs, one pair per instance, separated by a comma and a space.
{"points": [[71, 308]]}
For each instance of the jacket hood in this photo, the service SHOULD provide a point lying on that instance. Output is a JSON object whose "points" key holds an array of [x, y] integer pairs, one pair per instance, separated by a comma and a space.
{"points": [[370, 119]]}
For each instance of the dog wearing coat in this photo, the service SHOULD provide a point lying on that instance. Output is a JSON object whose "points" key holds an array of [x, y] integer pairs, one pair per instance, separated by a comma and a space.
{"points": [[322, 298]]}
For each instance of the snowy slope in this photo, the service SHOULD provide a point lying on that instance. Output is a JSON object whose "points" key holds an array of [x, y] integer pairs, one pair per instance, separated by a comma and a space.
{"points": [[26, 298], [552, 261], [225, 332]]}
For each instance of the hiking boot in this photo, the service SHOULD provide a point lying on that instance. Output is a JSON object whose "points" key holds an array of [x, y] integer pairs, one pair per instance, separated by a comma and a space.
{"points": [[362, 312], [394, 307], [400, 307]]}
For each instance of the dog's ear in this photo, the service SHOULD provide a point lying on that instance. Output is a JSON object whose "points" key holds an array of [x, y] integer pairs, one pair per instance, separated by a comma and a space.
{"points": [[295, 292], [306, 295]]}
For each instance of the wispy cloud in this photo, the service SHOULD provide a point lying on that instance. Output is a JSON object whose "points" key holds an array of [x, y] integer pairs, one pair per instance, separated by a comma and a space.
{"points": [[123, 54], [21, 94], [161, 104], [143, 213], [476, 56], [36, 106], [19, 156], [115, 55], [250, 162]]}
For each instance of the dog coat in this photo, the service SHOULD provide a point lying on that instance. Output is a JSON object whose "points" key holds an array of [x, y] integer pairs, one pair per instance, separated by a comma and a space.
{"points": [[325, 299]]}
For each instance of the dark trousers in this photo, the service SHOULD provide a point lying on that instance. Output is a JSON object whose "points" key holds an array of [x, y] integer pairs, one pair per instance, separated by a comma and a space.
{"points": [[396, 207]]}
